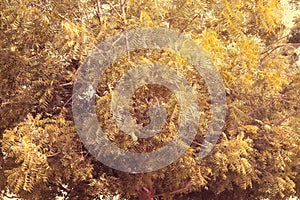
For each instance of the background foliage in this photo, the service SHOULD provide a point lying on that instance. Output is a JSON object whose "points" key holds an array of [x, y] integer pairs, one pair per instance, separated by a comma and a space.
{"points": [[43, 42]]}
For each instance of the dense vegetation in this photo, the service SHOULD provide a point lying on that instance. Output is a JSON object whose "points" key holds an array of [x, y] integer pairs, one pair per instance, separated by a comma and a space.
{"points": [[44, 42]]}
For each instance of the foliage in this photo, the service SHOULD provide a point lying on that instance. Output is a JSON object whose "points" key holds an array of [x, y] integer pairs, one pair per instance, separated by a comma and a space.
{"points": [[43, 42]]}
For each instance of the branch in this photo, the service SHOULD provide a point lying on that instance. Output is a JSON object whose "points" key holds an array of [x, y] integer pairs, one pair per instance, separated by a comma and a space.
{"points": [[187, 185], [276, 47], [125, 1], [263, 106], [98, 10], [66, 84], [269, 51], [192, 141], [283, 52], [122, 7], [296, 45], [282, 38], [121, 4], [145, 194], [53, 155], [68, 101], [114, 9], [185, 27], [275, 43], [288, 116], [282, 97]]}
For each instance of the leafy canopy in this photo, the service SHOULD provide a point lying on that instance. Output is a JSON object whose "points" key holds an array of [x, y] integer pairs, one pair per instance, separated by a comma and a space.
{"points": [[43, 42]]}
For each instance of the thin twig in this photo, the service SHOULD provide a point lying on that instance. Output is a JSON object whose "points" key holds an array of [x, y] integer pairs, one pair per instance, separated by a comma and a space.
{"points": [[53, 155], [272, 49], [269, 51], [115, 9], [274, 43], [282, 97], [185, 27], [122, 7], [120, 4], [68, 101], [285, 118], [194, 142], [283, 52], [66, 84], [263, 106], [261, 61], [98, 11], [187, 185], [123, 4], [281, 38]]}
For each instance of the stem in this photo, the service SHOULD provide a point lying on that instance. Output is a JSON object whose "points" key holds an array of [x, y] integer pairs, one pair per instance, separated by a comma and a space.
{"points": [[68, 101], [187, 185], [145, 194], [53, 155], [122, 7], [275, 43], [66, 84], [98, 12], [114, 9], [185, 27], [282, 97], [269, 51], [288, 116], [263, 106]]}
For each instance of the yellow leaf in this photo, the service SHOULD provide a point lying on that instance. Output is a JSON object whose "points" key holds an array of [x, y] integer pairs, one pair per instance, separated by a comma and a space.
{"points": [[145, 18]]}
